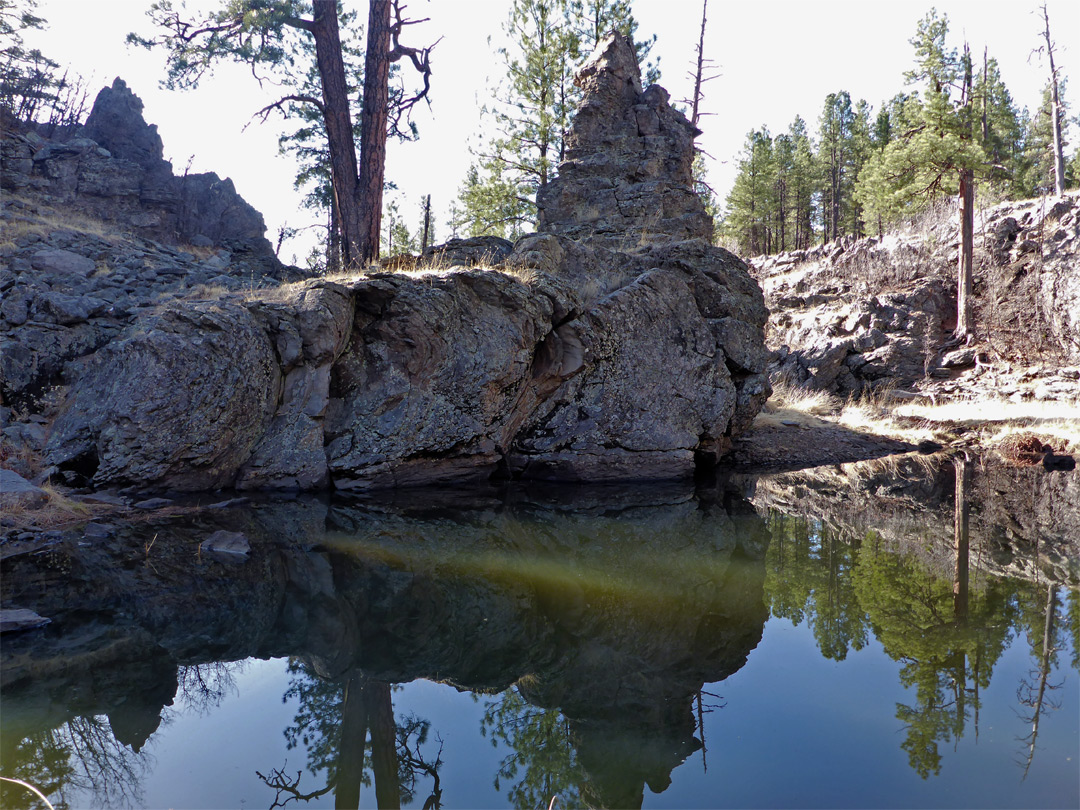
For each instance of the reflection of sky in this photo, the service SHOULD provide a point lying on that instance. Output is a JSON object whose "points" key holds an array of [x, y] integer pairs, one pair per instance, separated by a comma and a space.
{"points": [[796, 729], [799, 730]]}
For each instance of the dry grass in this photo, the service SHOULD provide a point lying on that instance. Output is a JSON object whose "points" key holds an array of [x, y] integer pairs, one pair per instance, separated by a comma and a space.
{"points": [[998, 419], [790, 405], [59, 512], [34, 217]]}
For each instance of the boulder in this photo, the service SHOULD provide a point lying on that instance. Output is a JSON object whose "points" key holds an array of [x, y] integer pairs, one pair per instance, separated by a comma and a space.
{"points": [[613, 344], [180, 402], [18, 493]]}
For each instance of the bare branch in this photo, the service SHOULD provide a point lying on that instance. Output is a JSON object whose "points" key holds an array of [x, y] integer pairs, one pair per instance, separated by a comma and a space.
{"points": [[279, 105]]}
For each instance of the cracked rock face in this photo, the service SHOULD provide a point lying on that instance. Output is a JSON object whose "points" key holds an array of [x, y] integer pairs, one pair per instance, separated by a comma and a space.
{"points": [[617, 343]]}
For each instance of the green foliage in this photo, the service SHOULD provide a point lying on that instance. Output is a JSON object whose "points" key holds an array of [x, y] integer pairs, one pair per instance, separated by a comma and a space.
{"points": [[808, 578], [1038, 177], [396, 237], [264, 34], [543, 762], [870, 170], [32, 88], [1000, 129], [942, 652], [492, 204]]}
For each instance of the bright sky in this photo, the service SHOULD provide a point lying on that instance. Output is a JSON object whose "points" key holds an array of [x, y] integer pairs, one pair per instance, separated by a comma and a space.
{"points": [[775, 58]]}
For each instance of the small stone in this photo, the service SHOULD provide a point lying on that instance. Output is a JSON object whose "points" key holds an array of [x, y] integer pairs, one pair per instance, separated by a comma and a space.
{"points": [[228, 504], [102, 497], [224, 542], [19, 619], [153, 503], [98, 531]]}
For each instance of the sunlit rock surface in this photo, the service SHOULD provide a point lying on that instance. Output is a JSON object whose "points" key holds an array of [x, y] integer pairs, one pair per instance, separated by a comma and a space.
{"points": [[616, 344]]}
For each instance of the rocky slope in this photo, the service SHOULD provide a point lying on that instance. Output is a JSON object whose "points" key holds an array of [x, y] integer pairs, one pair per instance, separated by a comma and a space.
{"points": [[613, 344], [854, 315]]}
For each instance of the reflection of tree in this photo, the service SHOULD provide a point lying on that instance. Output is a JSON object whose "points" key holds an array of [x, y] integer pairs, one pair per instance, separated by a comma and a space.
{"points": [[202, 687], [102, 755], [807, 577], [81, 756], [914, 615], [333, 722], [542, 751], [1074, 627], [1033, 690]]}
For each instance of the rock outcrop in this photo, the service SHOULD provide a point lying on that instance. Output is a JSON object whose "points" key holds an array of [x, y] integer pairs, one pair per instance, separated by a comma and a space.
{"points": [[575, 354], [860, 313], [99, 232], [113, 169]]}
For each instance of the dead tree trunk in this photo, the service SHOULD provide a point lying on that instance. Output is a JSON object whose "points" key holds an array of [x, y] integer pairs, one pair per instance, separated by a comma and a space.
{"points": [[965, 309], [965, 318], [1056, 111]]}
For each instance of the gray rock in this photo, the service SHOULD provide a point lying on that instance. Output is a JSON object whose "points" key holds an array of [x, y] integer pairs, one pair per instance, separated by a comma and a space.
{"points": [[14, 620], [154, 503], [179, 403], [18, 493], [613, 344], [225, 542], [98, 531], [62, 263], [628, 169]]}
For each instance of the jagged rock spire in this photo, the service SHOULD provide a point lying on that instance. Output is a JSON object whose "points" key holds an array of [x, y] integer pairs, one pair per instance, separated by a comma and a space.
{"points": [[627, 173]]}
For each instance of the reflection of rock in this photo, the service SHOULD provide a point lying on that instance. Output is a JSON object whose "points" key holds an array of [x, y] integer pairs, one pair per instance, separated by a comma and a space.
{"points": [[1022, 519], [614, 612]]}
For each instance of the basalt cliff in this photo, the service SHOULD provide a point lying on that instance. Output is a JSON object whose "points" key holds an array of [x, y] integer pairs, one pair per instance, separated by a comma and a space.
{"points": [[614, 343]]}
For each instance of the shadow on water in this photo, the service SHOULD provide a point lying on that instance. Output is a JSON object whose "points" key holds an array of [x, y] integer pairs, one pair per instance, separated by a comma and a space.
{"points": [[592, 617]]}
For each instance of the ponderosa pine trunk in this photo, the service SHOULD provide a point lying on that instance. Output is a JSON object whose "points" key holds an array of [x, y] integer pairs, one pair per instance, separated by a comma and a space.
{"points": [[373, 123], [338, 120], [965, 310]]}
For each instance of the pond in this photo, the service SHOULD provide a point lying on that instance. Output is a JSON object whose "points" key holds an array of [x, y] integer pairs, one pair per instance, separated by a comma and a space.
{"points": [[857, 636]]}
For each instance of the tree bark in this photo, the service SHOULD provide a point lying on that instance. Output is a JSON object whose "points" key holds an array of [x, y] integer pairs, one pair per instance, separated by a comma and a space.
{"points": [[354, 727], [384, 759], [961, 519], [965, 310], [373, 122], [337, 118]]}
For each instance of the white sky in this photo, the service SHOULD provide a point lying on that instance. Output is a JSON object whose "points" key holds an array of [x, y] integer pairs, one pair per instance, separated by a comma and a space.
{"points": [[775, 58]]}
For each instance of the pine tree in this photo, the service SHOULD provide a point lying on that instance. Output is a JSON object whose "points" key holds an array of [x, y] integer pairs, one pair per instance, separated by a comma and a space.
{"points": [[842, 149], [491, 205], [750, 210], [266, 35], [938, 156], [802, 184], [999, 129]]}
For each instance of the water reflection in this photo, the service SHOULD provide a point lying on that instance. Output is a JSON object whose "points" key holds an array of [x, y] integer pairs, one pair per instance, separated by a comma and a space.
{"points": [[589, 627]]}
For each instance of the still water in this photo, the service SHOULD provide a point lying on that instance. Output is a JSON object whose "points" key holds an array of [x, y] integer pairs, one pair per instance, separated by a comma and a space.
{"points": [[787, 642]]}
